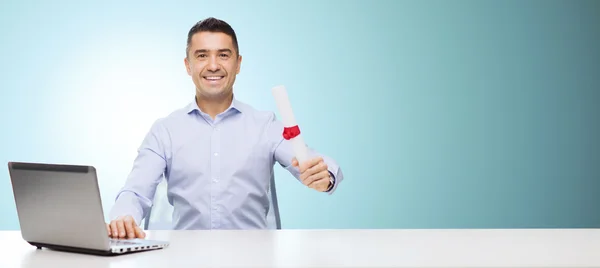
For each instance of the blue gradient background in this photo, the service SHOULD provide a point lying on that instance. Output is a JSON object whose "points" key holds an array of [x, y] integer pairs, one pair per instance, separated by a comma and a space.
{"points": [[442, 114]]}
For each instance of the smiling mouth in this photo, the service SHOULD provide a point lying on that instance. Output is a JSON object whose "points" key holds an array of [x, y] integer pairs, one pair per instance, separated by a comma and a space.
{"points": [[213, 78]]}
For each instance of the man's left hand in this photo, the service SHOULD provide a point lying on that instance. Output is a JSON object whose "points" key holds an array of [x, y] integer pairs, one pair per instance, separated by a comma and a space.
{"points": [[314, 173]]}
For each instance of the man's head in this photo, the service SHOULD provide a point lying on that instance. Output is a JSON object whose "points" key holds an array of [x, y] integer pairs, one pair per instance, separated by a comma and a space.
{"points": [[212, 58]]}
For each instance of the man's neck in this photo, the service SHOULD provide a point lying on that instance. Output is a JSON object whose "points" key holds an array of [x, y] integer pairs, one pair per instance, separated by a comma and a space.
{"points": [[213, 107]]}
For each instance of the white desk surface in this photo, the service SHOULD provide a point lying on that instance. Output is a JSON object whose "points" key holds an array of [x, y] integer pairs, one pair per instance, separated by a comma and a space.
{"points": [[335, 248]]}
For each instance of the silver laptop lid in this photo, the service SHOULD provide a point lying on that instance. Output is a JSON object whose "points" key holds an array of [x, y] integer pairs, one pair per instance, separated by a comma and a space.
{"points": [[59, 205]]}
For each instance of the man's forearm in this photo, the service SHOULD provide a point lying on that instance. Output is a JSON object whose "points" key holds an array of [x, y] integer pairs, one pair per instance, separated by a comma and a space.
{"points": [[128, 203]]}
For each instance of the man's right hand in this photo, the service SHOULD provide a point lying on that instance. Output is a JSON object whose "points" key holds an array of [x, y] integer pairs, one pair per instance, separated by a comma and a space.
{"points": [[124, 227]]}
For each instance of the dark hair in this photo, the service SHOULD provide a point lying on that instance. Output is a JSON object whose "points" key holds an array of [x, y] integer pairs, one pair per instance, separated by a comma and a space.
{"points": [[211, 25]]}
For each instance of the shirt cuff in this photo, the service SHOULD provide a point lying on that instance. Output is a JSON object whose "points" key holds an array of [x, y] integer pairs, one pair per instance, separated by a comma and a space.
{"points": [[128, 203]]}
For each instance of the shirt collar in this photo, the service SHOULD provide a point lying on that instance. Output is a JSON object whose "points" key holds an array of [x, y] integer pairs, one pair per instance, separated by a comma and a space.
{"points": [[235, 106]]}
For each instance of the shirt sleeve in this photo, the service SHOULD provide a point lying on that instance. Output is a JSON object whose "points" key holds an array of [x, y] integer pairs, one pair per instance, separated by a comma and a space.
{"points": [[283, 153], [135, 198]]}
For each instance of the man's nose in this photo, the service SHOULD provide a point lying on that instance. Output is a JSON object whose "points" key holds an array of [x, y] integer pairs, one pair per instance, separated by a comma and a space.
{"points": [[213, 66]]}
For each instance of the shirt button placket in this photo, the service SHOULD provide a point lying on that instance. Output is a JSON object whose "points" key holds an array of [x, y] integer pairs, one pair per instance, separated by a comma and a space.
{"points": [[215, 168]]}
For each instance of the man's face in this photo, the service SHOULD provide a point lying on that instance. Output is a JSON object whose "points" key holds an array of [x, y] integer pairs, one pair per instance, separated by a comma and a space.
{"points": [[212, 63]]}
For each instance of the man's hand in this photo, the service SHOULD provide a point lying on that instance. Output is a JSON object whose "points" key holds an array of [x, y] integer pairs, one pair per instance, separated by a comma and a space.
{"points": [[124, 227], [314, 173]]}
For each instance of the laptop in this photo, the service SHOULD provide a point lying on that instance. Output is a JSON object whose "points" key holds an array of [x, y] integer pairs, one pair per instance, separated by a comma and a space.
{"points": [[59, 207]]}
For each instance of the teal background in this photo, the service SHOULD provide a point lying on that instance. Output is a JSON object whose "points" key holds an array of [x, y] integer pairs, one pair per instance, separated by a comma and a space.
{"points": [[442, 114]]}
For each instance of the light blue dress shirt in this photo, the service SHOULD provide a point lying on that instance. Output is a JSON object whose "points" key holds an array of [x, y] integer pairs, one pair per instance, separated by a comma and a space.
{"points": [[218, 171]]}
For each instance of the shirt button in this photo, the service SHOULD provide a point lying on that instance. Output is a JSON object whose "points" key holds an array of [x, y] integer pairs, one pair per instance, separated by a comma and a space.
{"points": [[215, 180], [216, 154]]}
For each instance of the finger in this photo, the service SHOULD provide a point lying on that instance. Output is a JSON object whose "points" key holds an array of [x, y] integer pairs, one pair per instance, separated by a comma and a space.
{"points": [[294, 162], [321, 185], [139, 233], [310, 181], [114, 229], [309, 163], [307, 171], [129, 227], [316, 185], [121, 227], [314, 170], [108, 229]]}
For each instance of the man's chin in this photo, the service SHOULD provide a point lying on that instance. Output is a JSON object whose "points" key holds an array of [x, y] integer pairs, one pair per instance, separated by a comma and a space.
{"points": [[213, 93]]}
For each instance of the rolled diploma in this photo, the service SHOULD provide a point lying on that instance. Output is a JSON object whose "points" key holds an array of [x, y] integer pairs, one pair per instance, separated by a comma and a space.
{"points": [[288, 119]]}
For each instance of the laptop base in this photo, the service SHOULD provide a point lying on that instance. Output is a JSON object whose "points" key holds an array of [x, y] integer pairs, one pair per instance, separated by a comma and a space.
{"points": [[39, 246]]}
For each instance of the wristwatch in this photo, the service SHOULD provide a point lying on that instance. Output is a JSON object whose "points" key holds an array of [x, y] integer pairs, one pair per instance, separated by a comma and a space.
{"points": [[331, 182]]}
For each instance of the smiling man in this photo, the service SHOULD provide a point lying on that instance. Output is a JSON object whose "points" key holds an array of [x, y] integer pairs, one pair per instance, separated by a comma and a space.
{"points": [[216, 153]]}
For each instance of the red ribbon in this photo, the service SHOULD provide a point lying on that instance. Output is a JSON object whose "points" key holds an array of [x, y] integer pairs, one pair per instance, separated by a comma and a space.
{"points": [[291, 132]]}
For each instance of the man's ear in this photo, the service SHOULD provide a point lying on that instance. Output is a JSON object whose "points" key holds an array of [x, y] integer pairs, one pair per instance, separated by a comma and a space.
{"points": [[187, 66], [239, 65]]}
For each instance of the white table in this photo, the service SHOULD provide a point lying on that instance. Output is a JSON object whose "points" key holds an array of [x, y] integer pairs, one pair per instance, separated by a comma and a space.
{"points": [[335, 248]]}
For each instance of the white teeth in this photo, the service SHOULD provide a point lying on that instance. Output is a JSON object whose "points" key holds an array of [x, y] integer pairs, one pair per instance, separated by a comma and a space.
{"points": [[213, 77]]}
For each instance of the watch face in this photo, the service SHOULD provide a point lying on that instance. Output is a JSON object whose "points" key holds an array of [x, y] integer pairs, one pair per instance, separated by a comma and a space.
{"points": [[331, 182]]}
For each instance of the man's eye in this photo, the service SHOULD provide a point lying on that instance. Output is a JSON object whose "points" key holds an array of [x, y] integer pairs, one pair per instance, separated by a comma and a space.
{"points": [[201, 55], [224, 55]]}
